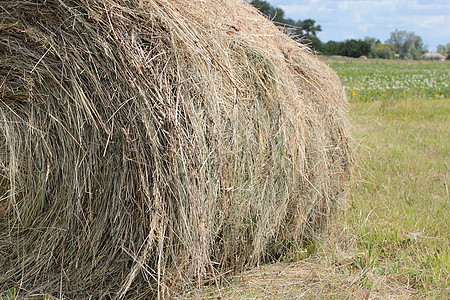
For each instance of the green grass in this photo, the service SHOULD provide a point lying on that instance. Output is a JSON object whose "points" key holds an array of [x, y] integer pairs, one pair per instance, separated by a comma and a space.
{"points": [[399, 207], [11, 294], [14, 294]]}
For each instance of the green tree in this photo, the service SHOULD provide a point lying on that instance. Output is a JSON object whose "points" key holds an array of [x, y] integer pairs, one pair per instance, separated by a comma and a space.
{"points": [[307, 30], [307, 27], [331, 48], [373, 42], [355, 48], [444, 49], [406, 44], [385, 51], [302, 30], [275, 14], [350, 48]]}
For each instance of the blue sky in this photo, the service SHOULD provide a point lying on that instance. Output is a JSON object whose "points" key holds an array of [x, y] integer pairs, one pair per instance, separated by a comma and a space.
{"points": [[356, 19]]}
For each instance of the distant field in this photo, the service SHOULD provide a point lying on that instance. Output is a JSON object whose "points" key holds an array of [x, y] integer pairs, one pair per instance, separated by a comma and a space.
{"points": [[391, 239], [375, 79]]}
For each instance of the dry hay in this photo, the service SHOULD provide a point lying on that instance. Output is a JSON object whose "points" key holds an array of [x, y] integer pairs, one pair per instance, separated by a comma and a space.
{"points": [[150, 145]]}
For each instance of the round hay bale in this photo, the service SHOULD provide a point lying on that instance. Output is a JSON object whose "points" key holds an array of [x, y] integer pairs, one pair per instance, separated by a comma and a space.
{"points": [[150, 145]]}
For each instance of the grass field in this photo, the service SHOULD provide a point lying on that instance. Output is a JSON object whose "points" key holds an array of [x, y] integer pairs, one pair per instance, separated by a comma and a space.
{"points": [[390, 240], [371, 80]]}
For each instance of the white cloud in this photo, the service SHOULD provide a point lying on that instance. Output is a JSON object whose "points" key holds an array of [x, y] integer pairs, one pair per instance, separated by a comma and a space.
{"points": [[343, 5], [431, 22], [428, 5]]}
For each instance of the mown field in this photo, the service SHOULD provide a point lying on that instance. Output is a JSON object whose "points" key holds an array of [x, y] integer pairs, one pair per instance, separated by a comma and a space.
{"points": [[391, 237]]}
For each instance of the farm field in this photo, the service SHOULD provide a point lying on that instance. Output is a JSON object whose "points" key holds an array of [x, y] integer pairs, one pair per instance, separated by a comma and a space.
{"points": [[371, 80], [391, 237]]}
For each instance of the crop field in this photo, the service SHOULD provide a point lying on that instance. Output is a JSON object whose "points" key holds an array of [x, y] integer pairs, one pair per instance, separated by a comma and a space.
{"points": [[391, 237], [369, 80]]}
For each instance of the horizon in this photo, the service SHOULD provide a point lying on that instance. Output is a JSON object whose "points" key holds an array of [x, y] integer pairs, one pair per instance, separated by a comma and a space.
{"points": [[357, 19]]}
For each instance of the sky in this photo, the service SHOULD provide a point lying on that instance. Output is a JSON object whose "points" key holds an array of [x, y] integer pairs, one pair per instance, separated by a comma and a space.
{"points": [[357, 19]]}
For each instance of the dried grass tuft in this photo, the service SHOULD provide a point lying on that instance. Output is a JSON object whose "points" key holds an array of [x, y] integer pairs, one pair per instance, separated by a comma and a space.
{"points": [[150, 145]]}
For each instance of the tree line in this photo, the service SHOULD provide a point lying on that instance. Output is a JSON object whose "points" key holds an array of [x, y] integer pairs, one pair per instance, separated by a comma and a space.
{"points": [[401, 43]]}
